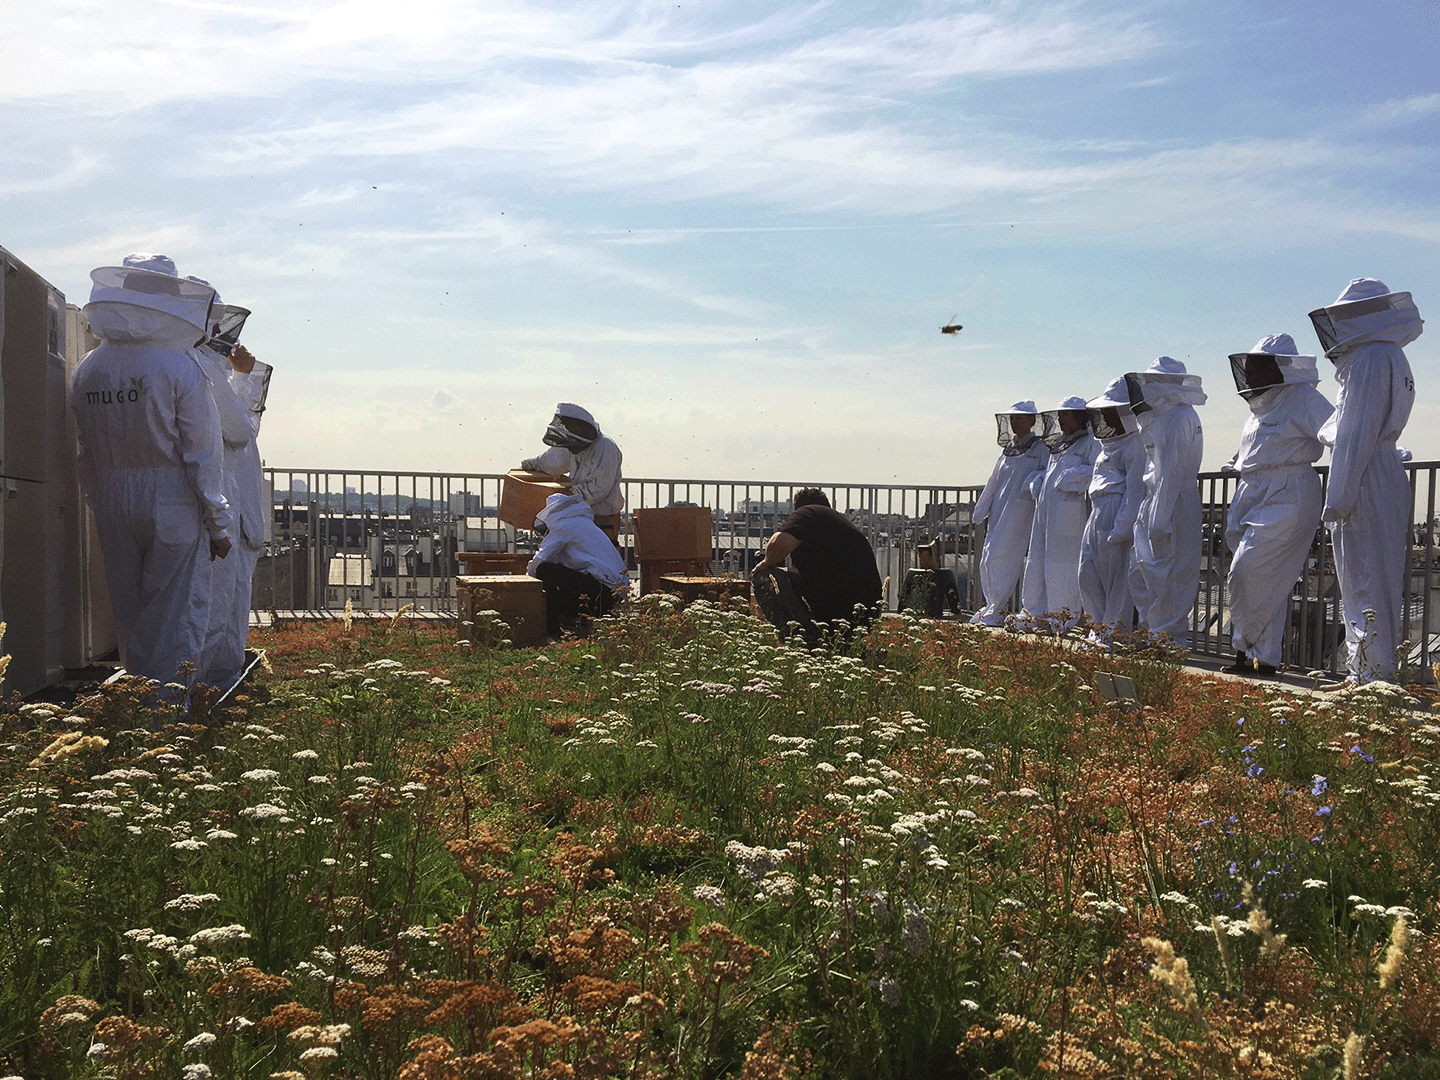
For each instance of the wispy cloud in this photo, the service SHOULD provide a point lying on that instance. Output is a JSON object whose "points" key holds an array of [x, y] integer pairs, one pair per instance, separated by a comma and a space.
{"points": [[1399, 111], [138, 54], [31, 176], [493, 238], [654, 105]]}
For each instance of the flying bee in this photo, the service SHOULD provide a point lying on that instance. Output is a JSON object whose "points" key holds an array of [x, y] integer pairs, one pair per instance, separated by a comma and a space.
{"points": [[952, 327]]}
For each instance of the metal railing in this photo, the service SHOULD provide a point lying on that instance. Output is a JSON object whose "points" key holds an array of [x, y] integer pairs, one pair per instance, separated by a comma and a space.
{"points": [[383, 540]]}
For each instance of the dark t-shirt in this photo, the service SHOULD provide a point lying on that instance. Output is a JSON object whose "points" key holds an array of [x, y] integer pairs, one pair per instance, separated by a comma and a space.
{"points": [[836, 566]]}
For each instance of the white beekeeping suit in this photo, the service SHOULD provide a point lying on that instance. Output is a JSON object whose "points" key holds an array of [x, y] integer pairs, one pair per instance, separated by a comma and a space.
{"points": [[1367, 501], [240, 400], [1167, 529], [1052, 569], [1116, 489], [572, 539], [150, 460], [1276, 508], [1009, 508], [579, 450]]}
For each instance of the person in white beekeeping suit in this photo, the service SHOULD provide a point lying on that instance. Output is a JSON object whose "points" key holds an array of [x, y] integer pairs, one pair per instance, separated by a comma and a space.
{"points": [[591, 460], [239, 384], [1166, 572], [1276, 508], [150, 460], [582, 573], [1052, 569], [1116, 489], [1009, 508], [1367, 500]]}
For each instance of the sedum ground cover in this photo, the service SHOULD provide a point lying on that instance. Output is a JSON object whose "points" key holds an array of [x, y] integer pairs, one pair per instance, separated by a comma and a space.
{"points": [[677, 848]]}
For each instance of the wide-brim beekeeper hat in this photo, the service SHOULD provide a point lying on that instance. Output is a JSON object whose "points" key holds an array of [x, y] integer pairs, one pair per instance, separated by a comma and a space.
{"points": [[150, 281]]}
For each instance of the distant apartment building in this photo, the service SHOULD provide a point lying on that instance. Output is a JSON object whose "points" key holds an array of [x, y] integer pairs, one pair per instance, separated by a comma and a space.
{"points": [[350, 578], [463, 504], [484, 534]]}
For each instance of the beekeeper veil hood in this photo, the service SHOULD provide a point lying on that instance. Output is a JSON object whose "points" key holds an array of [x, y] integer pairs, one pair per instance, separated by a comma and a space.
{"points": [[572, 428], [226, 322], [1065, 423], [1163, 385], [1366, 311], [143, 299], [1005, 431], [1274, 361], [1110, 414]]}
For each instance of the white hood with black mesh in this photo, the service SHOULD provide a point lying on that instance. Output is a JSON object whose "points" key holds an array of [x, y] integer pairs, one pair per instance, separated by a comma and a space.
{"points": [[1366, 311]]}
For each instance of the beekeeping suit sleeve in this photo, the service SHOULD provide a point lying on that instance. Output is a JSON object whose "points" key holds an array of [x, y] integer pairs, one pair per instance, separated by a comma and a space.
{"points": [[1015, 476], [1358, 423], [1125, 517], [1078, 466], [981, 513], [555, 461], [1178, 450], [234, 411], [595, 476], [201, 451], [983, 505]]}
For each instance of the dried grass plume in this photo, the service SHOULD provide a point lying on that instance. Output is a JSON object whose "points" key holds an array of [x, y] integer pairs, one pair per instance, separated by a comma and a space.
{"points": [[1395, 955], [1173, 973], [1354, 1047]]}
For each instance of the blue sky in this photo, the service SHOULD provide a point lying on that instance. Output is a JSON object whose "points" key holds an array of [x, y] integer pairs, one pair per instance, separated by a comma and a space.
{"points": [[731, 230]]}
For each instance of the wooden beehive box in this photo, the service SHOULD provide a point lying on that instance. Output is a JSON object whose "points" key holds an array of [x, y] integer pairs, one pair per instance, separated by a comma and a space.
{"points": [[652, 570], [519, 600], [673, 532], [523, 495], [717, 590], [480, 563]]}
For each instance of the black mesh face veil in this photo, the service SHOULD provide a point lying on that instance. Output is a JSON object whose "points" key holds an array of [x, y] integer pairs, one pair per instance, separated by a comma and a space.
{"points": [[1324, 329], [570, 432], [1050, 429], [264, 390], [1136, 391], [228, 325], [1005, 430], [1255, 373], [1106, 423], [1056, 437], [1323, 319]]}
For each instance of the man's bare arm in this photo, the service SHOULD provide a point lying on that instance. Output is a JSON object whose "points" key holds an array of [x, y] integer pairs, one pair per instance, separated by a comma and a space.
{"points": [[781, 545]]}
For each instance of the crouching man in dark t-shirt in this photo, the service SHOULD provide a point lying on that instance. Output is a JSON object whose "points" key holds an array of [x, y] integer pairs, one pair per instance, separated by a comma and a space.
{"points": [[832, 570]]}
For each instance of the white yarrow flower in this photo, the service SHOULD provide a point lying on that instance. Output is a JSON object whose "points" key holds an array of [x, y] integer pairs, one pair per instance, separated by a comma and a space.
{"points": [[264, 811], [220, 935]]}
